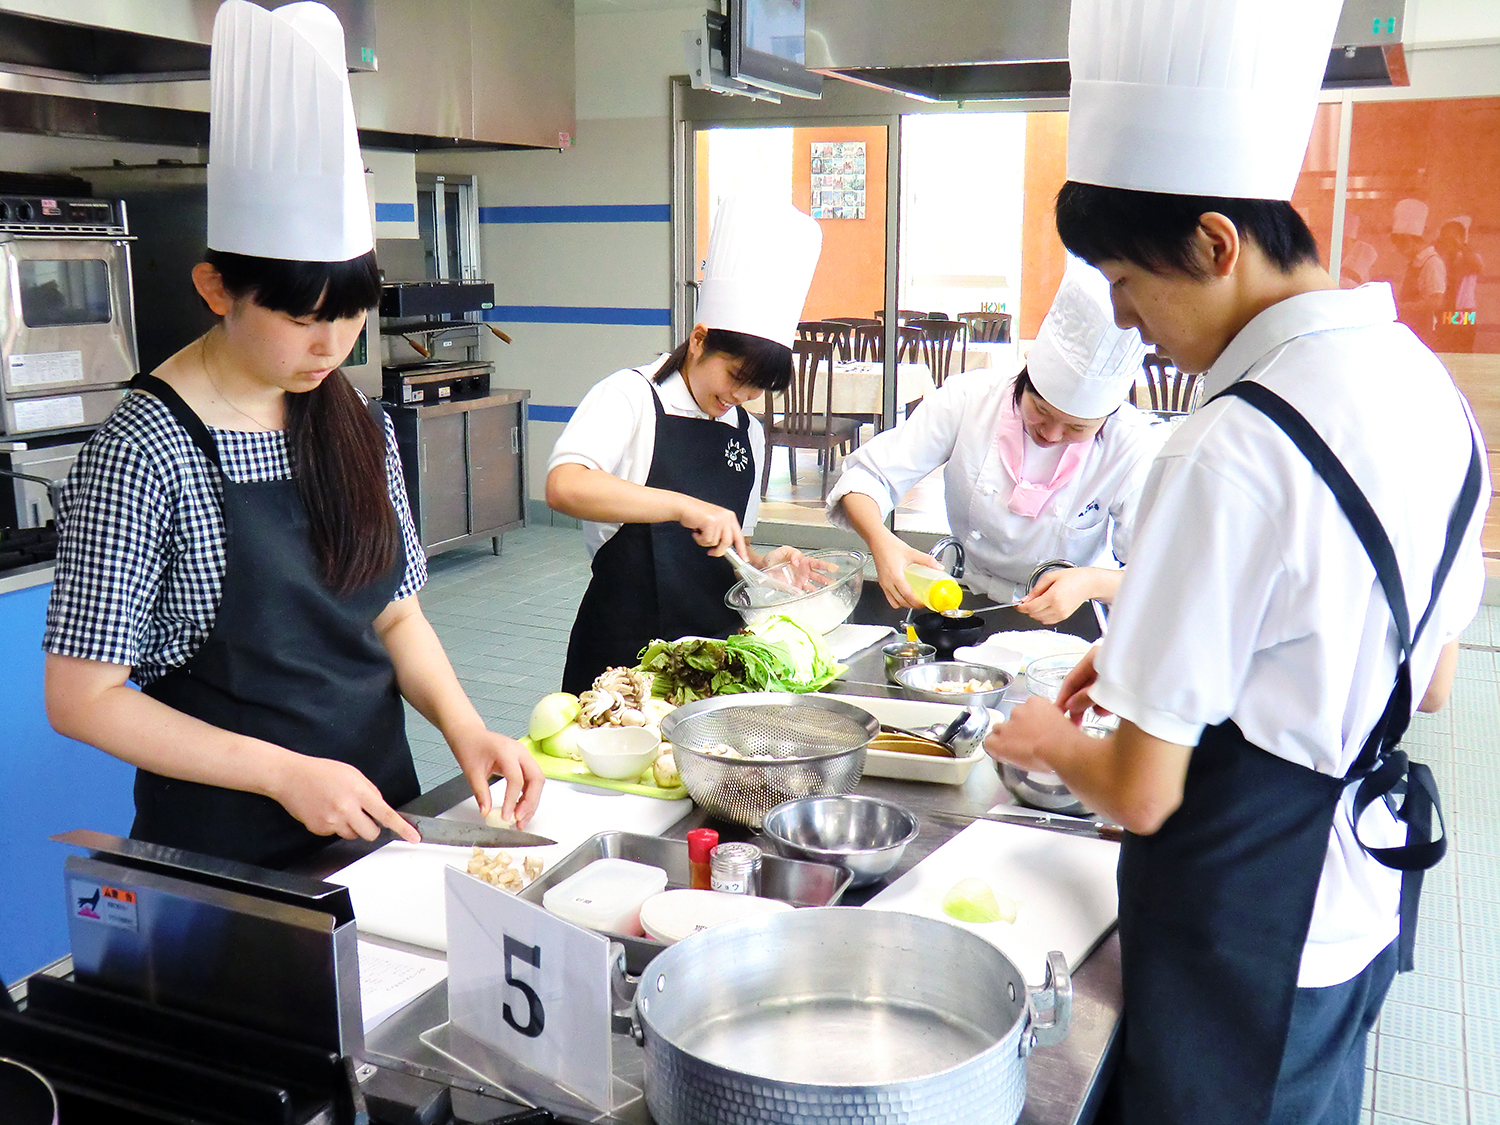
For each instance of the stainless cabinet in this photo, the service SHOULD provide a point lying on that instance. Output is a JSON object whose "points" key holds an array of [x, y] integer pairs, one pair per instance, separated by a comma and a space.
{"points": [[465, 465]]}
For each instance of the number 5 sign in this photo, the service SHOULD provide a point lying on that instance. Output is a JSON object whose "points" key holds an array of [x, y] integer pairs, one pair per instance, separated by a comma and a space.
{"points": [[531, 986]]}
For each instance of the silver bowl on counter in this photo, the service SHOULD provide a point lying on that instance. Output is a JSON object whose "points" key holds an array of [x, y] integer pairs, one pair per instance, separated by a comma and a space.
{"points": [[905, 654], [742, 755], [863, 834], [922, 682], [824, 1015]]}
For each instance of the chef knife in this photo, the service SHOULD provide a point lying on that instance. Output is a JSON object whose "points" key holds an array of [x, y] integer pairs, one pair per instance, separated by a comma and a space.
{"points": [[467, 834], [1051, 822]]}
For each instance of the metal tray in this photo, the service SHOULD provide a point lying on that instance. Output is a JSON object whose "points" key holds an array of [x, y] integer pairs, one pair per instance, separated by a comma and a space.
{"points": [[790, 880]]}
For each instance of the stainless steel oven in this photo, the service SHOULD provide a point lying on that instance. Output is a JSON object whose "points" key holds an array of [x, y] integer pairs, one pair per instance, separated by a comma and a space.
{"points": [[67, 323]]}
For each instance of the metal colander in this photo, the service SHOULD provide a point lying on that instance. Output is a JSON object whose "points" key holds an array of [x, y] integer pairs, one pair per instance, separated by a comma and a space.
{"points": [[790, 746]]}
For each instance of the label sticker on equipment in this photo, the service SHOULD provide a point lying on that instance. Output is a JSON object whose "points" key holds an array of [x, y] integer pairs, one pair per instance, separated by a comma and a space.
{"points": [[96, 902], [49, 413], [40, 369]]}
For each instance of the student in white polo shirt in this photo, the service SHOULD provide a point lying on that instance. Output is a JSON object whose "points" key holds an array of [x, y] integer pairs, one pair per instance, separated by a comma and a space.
{"points": [[1306, 556]]}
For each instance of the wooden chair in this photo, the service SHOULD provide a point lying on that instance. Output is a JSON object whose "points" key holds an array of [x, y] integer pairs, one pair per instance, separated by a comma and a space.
{"points": [[983, 328], [1172, 391], [803, 425], [869, 342], [938, 338], [903, 315], [828, 332]]}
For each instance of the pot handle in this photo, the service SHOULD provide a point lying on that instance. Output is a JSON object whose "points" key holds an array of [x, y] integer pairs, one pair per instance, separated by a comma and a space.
{"points": [[1051, 1006], [622, 988]]}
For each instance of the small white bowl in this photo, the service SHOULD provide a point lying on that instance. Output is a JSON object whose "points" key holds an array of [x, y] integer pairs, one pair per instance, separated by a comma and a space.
{"points": [[618, 753]]}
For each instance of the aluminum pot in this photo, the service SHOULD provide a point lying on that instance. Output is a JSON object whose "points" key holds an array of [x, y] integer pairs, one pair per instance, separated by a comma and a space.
{"points": [[838, 1015]]}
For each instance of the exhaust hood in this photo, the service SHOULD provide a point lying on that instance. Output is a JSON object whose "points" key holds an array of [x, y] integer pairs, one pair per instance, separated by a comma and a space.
{"points": [[106, 41], [983, 49]]}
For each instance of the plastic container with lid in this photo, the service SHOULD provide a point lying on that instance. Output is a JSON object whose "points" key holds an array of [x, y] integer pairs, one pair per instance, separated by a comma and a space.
{"points": [[606, 895], [673, 915], [935, 588]]}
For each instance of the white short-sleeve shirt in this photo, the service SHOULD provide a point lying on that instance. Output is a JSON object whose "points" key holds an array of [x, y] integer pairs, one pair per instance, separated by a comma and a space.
{"points": [[1088, 521], [1250, 598], [614, 429]]}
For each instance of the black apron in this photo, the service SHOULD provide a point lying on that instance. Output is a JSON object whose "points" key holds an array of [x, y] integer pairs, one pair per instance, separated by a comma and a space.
{"points": [[1215, 907], [288, 661], [652, 580]]}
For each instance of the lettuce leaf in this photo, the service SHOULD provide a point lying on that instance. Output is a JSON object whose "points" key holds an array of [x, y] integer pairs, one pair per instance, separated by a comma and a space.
{"points": [[789, 659]]}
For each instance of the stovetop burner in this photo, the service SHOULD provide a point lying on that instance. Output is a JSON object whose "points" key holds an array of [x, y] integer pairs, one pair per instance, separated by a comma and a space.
{"points": [[23, 546]]}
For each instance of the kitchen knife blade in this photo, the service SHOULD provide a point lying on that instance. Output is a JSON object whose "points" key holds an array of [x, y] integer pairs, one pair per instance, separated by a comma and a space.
{"points": [[467, 834], [1051, 822]]}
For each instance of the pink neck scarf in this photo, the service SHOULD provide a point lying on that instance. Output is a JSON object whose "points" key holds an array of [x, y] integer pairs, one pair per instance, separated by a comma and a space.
{"points": [[1028, 498]]}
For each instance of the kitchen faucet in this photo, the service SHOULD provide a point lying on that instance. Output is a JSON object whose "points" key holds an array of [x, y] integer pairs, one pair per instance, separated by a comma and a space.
{"points": [[958, 553]]}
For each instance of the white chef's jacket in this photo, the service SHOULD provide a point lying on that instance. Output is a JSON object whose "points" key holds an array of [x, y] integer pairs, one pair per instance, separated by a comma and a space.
{"points": [[1249, 596], [614, 429], [956, 428]]}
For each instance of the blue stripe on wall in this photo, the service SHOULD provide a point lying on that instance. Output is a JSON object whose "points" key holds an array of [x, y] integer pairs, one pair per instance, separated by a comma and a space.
{"points": [[549, 413], [578, 314], [395, 212], [592, 213]]}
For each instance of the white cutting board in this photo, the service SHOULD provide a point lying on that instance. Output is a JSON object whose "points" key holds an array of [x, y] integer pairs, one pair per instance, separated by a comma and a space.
{"points": [[1063, 887], [398, 889]]}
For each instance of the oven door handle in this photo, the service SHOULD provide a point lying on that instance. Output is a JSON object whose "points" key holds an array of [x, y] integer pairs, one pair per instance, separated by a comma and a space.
{"points": [[54, 487]]}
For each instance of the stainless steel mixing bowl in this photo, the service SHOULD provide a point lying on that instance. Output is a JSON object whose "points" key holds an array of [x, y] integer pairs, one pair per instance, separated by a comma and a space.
{"points": [[863, 834], [922, 680]]}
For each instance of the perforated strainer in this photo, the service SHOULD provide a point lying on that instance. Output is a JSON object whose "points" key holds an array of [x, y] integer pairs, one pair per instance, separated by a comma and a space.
{"points": [[788, 746]]}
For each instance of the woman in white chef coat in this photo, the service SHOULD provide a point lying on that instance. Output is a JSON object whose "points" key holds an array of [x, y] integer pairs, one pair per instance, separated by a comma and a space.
{"points": [[1307, 554], [660, 461], [1045, 464]]}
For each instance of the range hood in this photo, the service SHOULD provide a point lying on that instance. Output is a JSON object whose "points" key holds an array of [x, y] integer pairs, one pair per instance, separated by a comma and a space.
{"points": [[107, 41], [982, 49]]}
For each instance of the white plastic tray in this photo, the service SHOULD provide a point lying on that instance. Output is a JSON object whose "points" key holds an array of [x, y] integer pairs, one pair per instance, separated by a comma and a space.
{"points": [[912, 714]]}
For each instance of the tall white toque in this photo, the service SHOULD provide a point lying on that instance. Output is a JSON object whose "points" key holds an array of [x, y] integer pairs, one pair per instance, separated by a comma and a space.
{"points": [[1081, 362], [761, 258], [285, 177], [1195, 97], [1409, 217]]}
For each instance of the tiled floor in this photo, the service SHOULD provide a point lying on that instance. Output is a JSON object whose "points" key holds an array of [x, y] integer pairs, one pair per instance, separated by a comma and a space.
{"points": [[1435, 1055]]}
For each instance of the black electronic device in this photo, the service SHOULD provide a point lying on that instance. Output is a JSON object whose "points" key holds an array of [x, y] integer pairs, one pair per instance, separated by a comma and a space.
{"points": [[767, 47], [418, 300]]}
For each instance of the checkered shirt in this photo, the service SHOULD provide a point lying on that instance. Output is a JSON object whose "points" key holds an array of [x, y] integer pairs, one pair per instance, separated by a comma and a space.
{"points": [[140, 559]]}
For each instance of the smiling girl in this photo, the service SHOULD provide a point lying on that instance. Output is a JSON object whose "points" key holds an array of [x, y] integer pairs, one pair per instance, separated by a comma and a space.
{"points": [[660, 460]]}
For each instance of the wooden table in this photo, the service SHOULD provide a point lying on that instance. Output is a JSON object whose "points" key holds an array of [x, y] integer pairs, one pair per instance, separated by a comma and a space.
{"points": [[858, 388]]}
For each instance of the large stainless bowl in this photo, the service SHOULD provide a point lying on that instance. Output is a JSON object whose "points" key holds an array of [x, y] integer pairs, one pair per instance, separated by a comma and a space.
{"points": [[921, 680], [784, 746], [825, 605], [864, 834]]}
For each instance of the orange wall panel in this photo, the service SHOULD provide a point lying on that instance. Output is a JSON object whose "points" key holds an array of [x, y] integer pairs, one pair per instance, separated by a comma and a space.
{"points": [[850, 280], [1042, 253]]}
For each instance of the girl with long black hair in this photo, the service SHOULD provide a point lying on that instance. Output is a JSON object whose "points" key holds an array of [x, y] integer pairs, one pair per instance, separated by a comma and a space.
{"points": [[236, 540]]}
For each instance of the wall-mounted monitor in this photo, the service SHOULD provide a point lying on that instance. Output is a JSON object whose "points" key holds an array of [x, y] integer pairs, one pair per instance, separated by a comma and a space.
{"points": [[768, 42]]}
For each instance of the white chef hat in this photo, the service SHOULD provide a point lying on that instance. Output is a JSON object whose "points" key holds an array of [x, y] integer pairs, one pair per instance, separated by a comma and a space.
{"points": [[1081, 362], [1195, 97], [761, 258], [285, 176], [1410, 217], [1463, 221]]}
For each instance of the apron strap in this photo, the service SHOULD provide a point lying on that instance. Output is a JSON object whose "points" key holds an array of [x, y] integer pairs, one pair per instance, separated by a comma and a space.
{"points": [[1383, 770], [183, 413]]}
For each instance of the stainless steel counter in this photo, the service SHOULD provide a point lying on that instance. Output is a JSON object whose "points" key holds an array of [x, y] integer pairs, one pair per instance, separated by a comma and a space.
{"points": [[1064, 1082]]}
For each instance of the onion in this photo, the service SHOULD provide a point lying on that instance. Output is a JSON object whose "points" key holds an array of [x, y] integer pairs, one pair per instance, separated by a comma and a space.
{"points": [[551, 714], [563, 744]]}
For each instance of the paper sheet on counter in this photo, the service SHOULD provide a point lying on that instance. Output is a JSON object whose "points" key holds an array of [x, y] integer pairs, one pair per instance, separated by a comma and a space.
{"points": [[847, 639], [390, 979]]}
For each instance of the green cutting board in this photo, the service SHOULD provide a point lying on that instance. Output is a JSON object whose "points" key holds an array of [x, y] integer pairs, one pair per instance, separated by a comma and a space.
{"points": [[566, 769]]}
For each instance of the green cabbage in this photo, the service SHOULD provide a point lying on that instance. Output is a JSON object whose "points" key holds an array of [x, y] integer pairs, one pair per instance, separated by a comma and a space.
{"points": [[790, 659]]}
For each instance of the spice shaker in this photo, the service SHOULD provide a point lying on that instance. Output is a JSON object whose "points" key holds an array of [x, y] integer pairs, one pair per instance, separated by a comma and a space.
{"points": [[701, 843], [735, 868]]}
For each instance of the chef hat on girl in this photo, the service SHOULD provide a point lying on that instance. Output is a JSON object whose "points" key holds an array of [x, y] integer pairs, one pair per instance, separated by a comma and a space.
{"points": [[761, 258], [1409, 217], [1358, 261], [285, 176], [1081, 362], [1195, 97]]}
